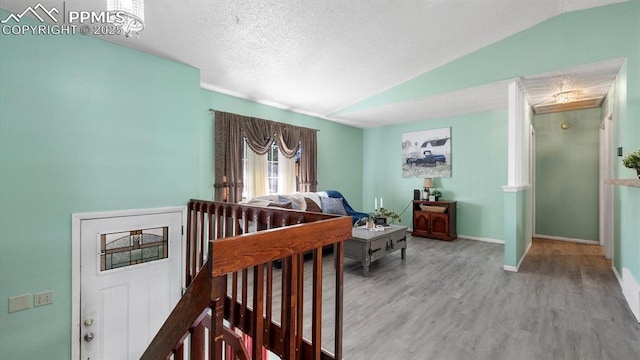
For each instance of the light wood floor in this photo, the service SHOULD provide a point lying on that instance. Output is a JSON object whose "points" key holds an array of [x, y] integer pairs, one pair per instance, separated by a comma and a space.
{"points": [[453, 300]]}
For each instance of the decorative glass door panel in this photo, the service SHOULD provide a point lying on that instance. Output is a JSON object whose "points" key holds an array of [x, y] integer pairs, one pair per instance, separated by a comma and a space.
{"points": [[133, 247]]}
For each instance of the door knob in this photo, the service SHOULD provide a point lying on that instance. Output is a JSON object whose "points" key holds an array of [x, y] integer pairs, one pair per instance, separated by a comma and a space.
{"points": [[88, 337], [88, 322]]}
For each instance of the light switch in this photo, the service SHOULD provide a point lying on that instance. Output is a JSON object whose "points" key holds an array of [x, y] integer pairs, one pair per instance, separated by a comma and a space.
{"points": [[20, 302]]}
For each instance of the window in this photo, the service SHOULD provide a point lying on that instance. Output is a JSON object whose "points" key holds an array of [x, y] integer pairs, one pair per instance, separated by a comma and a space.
{"points": [[272, 169], [133, 247], [231, 130], [268, 174]]}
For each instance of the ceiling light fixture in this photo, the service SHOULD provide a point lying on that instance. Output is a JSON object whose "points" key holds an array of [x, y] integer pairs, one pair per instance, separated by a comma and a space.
{"points": [[565, 97], [128, 14]]}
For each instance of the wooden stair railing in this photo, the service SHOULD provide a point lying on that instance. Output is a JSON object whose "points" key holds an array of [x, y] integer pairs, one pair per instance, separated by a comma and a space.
{"points": [[207, 321]]}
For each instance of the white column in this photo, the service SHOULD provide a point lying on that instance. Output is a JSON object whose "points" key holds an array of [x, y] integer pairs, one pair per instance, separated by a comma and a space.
{"points": [[519, 140]]}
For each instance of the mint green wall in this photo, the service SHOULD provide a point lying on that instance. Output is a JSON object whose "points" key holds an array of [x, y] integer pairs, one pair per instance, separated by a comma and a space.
{"points": [[86, 125], [588, 36], [339, 146], [517, 215], [80, 116], [567, 173], [479, 169], [626, 199]]}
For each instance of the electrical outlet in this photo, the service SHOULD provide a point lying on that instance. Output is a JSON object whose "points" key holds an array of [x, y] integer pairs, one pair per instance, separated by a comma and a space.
{"points": [[43, 298], [20, 302]]}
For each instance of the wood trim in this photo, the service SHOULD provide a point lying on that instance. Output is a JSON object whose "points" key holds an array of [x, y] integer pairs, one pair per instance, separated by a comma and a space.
{"points": [[217, 295], [574, 105], [285, 236], [339, 264], [273, 343], [244, 251], [258, 320], [316, 307], [180, 321]]}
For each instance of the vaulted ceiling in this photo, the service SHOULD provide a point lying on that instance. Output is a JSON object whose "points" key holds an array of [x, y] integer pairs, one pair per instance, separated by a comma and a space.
{"points": [[323, 57]]}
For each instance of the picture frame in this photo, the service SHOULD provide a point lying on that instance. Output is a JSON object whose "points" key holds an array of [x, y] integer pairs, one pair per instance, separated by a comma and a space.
{"points": [[427, 153]]}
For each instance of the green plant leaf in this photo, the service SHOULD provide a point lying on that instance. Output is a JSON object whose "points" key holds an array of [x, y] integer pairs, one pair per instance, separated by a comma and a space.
{"points": [[632, 161]]}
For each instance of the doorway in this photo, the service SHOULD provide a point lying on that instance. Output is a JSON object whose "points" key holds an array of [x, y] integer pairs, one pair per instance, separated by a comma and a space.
{"points": [[567, 184], [127, 277]]}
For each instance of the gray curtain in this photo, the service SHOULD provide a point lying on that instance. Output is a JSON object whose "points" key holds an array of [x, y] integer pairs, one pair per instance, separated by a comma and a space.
{"points": [[308, 161], [288, 137], [228, 158], [232, 129], [259, 133]]}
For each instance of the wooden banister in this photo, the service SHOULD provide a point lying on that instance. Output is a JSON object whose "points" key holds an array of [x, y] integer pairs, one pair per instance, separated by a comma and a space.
{"points": [[187, 314], [244, 251], [239, 244]]}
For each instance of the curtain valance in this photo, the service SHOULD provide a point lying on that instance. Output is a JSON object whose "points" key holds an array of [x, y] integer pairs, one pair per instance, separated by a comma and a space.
{"points": [[260, 134], [230, 132]]}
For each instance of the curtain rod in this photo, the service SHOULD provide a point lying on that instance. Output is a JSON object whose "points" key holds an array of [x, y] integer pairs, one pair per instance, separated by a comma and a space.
{"points": [[318, 130]]}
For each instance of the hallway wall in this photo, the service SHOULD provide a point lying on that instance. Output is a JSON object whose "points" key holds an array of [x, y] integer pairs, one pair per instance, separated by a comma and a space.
{"points": [[567, 174]]}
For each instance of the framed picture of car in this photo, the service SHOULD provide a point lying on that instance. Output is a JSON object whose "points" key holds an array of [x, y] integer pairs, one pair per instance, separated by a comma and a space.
{"points": [[427, 153]]}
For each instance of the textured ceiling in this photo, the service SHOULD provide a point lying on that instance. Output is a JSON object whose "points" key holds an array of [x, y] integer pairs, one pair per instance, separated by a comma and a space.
{"points": [[591, 81], [320, 57]]}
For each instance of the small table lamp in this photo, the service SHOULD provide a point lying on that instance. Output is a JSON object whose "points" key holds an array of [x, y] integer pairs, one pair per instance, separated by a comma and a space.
{"points": [[428, 183]]}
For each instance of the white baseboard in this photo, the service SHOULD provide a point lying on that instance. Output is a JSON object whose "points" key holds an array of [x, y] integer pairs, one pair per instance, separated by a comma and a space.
{"points": [[516, 268], [489, 240], [630, 290], [560, 238], [615, 272]]}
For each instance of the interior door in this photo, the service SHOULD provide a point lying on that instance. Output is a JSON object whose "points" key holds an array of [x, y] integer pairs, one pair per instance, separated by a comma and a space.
{"points": [[130, 280]]}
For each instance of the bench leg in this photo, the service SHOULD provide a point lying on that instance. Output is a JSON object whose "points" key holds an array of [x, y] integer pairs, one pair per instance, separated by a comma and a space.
{"points": [[365, 269]]}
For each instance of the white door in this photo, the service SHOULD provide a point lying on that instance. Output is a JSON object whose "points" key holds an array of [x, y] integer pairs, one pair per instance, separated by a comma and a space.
{"points": [[130, 280]]}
